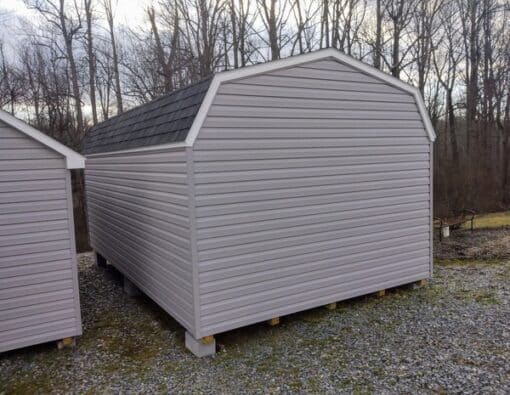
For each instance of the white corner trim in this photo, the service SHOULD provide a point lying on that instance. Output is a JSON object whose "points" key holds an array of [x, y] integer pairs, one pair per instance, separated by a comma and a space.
{"points": [[249, 71], [73, 159], [203, 110], [424, 115]]}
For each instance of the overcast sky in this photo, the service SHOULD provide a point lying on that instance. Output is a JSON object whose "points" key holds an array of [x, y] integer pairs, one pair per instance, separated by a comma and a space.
{"points": [[128, 12]]}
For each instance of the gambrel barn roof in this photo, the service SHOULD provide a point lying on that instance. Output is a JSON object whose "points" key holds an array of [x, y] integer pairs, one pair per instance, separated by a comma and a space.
{"points": [[175, 119]]}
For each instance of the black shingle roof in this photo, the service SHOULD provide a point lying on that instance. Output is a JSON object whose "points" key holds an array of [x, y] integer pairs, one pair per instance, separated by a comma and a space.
{"points": [[166, 119]]}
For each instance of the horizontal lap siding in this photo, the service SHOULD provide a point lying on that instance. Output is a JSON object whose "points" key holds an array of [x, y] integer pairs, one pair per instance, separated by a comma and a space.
{"points": [[312, 184], [38, 285], [139, 220]]}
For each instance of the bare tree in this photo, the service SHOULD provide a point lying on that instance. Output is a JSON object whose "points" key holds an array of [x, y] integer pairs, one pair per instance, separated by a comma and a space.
{"points": [[399, 13], [426, 28], [348, 17], [69, 27], [203, 21], [446, 60], [8, 89], [274, 15], [304, 14]]}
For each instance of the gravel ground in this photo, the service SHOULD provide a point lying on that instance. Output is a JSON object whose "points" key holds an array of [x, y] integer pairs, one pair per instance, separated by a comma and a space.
{"points": [[451, 336]]}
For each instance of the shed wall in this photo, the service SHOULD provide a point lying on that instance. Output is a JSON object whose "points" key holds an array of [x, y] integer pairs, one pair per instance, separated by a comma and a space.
{"points": [[39, 298], [138, 213], [312, 185]]}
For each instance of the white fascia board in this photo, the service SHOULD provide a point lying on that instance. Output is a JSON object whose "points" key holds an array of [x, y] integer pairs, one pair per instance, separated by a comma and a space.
{"points": [[292, 61], [73, 159]]}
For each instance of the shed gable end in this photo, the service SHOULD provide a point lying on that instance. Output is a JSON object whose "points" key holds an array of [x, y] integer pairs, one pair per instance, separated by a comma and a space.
{"points": [[309, 189]]}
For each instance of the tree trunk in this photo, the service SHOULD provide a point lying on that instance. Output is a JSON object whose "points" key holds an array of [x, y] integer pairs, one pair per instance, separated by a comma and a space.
{"points": [[68, 39], [273, 32], [115, 58], [160, 53], [91, 60], [378, 32]]}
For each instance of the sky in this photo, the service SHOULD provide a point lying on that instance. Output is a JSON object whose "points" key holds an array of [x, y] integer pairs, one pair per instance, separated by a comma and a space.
{"points": [[128, 12]]}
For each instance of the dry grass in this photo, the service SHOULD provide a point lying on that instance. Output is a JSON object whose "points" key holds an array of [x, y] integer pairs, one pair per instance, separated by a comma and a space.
{"points": [[491, 221]]}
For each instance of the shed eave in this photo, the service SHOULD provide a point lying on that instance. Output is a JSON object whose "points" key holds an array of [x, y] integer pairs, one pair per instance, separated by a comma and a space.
{"points": [[73, 159], [180, 144]]}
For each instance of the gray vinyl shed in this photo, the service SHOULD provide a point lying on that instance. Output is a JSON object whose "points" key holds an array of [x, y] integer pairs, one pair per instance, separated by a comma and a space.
{"points": [[39, 300], [265, 191]]}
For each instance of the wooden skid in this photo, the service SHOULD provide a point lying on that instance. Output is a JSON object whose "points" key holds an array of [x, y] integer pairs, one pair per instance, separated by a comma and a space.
{"points": [[331, 306], [381, 293], [208, 339], [67, 342], [423, 282], [274, 321]]}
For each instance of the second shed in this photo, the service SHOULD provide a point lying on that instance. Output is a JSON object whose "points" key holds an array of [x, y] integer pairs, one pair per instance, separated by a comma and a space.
{"points": [[39, 297]]}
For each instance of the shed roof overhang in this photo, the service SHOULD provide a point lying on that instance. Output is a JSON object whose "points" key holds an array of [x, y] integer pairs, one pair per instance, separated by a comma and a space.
{"points": [[73, 159]]}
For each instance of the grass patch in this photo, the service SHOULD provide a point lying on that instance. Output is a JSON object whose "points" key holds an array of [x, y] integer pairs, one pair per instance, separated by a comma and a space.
{"points": [[468, 261], [30, 385], [479, 296], [485, 297], [492, 220]]}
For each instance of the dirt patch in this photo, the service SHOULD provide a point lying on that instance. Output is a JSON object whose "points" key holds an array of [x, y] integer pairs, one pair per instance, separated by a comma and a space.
{"points": [[481, 244]]}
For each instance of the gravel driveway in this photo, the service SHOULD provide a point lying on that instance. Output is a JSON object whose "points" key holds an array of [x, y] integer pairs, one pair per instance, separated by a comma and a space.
{"points": [[451, 336]]}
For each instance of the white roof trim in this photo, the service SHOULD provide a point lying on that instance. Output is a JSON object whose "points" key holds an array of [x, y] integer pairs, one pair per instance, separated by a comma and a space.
{"points": [[219, 78], [73, 159], [180, 144]]}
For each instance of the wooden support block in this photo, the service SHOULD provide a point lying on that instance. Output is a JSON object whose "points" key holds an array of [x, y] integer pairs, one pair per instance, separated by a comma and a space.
{"points": [[423, 282], [274, 321], [66, 342], [208, 339], [331, 306], [381, 293]]}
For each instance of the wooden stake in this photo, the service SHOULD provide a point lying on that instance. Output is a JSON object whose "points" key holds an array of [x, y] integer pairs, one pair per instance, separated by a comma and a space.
{"points": [[274, 321], [381, 293], [208, 339], [331, 306]]}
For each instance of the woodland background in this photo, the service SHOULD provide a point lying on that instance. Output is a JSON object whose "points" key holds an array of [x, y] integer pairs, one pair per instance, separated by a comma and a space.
{"points": [[72, 66]]}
